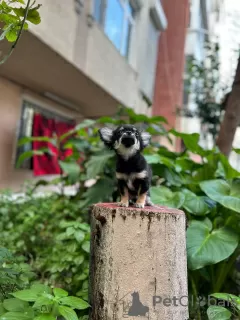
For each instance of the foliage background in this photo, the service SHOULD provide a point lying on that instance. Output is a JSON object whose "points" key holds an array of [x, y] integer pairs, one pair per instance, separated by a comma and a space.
{"points": [[52, 233]]}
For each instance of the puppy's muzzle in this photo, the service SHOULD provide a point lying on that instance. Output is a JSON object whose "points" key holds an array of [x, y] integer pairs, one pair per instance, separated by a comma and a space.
{"points": [[128, 140]]}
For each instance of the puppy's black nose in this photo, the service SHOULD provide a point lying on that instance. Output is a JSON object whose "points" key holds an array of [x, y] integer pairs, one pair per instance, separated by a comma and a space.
{"points": [[128, 141]]}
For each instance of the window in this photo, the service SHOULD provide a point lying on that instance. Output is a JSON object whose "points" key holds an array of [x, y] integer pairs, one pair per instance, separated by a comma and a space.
{"points": [[26, 127], [148, 71], [116, 17]]}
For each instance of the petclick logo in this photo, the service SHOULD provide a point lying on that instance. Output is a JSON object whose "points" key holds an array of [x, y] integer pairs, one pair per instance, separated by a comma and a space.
{"points": [[132, 306]]}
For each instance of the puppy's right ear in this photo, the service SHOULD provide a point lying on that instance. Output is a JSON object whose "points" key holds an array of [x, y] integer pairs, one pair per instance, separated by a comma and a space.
{"points": [[106, 135]]}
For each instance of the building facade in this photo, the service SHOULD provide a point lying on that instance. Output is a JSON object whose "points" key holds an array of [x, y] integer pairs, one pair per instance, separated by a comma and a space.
{"points": [[213, 21], [83, 60]]}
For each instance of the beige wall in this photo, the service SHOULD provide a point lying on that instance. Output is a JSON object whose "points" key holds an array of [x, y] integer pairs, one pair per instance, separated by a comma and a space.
{"points": [[11, 98], [82, 42]]}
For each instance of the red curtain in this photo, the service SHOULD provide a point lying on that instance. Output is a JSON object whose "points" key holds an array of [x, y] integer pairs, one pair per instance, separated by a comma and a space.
{"points": [[48, 163]]}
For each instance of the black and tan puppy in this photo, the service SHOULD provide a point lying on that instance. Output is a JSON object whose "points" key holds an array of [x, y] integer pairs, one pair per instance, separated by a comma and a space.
{"points": [[132, 171]]}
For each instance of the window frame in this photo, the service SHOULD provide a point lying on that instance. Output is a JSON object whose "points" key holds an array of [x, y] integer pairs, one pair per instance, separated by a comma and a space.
{"points": [[128, 19]]}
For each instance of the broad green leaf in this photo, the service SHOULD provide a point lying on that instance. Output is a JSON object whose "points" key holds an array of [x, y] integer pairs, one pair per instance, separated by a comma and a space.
{"points": [[14, 304], [75, 303], [60, 293], [41, 288], [43, 301], [195, 204], [221, 192], [236, 150], [156, 158], [15, 316], [26, 295], [228, 297], [67, 313], [191, 141], [218, 313], [164, 196], [71, 168], [230, 172], [97, 163], [206, 246], [100, 191]]}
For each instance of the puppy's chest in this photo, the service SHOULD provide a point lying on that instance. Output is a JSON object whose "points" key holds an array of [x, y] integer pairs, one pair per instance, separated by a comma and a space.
{"points": [[129, 178]]}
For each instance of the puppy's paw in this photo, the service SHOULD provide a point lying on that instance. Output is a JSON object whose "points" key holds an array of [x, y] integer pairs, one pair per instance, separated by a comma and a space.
{"points": [[123, 204], [139, 205]]}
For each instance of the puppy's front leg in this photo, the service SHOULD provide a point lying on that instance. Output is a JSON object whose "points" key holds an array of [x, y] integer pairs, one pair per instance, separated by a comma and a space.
{"points": [[141, 200], [124, 194], [142, 187]]}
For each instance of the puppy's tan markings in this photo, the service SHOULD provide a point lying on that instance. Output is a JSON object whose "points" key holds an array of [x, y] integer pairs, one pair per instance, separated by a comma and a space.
{"points": [[141, 200], [125, 199]]}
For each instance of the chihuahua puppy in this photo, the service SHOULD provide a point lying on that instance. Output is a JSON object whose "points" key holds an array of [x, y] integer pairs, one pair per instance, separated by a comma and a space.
{"points": [[132, 171]]}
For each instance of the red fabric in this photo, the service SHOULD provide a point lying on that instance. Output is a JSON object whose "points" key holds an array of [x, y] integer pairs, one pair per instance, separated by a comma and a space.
{"points": [[48, 163]]}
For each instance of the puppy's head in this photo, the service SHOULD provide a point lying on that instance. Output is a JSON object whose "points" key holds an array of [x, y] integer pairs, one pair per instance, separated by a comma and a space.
{"points": [[126, 140]]}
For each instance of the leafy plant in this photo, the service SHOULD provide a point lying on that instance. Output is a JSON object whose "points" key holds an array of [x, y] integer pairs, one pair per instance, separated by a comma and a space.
{"points": [[208, 192], [15, 15], [40, 302], [206, 90]]}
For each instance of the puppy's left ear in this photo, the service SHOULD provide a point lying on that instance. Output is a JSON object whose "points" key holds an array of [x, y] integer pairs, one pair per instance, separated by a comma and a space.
{"points": [[106, 135], [146, 137]]}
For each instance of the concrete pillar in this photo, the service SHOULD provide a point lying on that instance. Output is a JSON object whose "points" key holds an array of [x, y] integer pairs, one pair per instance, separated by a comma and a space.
{"points": [[138, 263]]}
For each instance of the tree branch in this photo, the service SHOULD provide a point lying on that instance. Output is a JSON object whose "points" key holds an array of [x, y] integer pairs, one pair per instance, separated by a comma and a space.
{"points": [[19, 35]]}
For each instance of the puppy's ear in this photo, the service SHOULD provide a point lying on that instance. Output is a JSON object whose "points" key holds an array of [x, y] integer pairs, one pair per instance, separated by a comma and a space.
{"points": [[106, 135], [146, 137]]}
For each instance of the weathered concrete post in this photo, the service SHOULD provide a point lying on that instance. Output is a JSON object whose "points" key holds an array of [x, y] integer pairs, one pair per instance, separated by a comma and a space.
{"points": [[138, 264]]}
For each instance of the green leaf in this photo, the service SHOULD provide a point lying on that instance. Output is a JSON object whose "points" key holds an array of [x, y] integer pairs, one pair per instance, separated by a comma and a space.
{"points": [[191, 141], [41, 288], [34, 16], [29, 154], [2, 310], [195, 204], [228, 297], [75, 303], [43, 301], [45, 316], [86, 246], [26, 295], [206, 246], [164, 196], [15, 316], [60, 293], [26, 140], [15, 305], [67, 313], [79, 235], [156, 158], [218, 313], [11, 35], [100, 191], [97, 163], [221, 192], [85, 124], [230, 172], [70, 168], [8, 28]]}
